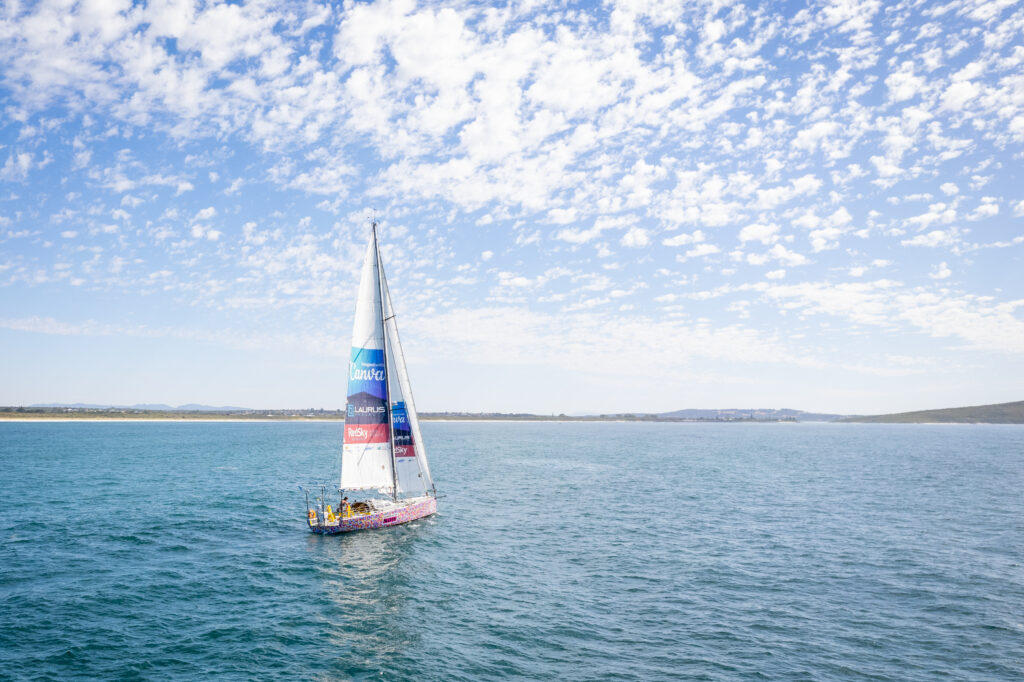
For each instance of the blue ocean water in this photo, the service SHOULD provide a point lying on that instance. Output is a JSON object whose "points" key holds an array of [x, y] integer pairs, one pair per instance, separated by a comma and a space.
{"points": [[560, 551]]}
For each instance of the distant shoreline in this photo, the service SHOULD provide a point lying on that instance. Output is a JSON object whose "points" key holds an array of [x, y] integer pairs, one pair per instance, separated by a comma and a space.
{"points": [[1002, 413], [255, 416], [27, 420], [283, 420], [446, 420]]}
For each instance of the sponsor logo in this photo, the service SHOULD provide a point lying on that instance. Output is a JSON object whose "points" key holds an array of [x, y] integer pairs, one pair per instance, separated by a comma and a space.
{"points": [[366, 433], [366, 374]]}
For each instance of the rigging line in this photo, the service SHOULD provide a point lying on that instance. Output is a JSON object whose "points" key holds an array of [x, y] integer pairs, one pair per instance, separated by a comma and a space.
{"points": [[364, 347], [411, 414]]}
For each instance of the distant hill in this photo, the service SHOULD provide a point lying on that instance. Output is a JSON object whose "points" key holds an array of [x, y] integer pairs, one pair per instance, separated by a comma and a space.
{"points": [[752, 414], [192, 407], [159, 407], [1002, 413]]}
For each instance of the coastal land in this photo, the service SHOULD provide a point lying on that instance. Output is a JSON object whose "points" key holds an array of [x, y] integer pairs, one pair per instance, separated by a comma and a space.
{"points": [[1001, 413], [205, 413]]}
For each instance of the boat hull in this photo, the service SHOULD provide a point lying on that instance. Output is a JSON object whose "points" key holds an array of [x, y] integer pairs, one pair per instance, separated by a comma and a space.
{"points": [[381, 519]]}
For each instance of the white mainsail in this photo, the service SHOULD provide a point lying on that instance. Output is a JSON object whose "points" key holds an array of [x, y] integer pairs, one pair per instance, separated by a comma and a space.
{"points": [[378, 454], [366, 459]]}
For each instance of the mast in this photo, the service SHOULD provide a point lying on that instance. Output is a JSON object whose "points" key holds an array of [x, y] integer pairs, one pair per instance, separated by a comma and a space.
{"points": [[387, 369]]}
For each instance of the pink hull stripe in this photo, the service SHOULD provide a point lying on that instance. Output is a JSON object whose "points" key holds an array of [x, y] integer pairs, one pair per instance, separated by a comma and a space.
{"points": [[392, 517]]}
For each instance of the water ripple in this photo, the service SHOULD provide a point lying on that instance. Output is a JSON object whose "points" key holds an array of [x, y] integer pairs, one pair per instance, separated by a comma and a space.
{"points": [[561, 551]]}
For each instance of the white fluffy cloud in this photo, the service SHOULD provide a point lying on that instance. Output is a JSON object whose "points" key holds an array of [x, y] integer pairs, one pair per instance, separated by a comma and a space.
{"points": [[636, 237], [225, 157], [766, 234]]}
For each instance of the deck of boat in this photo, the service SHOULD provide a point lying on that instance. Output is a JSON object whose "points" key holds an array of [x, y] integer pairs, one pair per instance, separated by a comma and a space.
{"points": [[382, 514]]}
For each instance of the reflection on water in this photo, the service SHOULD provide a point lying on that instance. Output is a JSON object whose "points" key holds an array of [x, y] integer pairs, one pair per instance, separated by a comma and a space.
{"points": [[369, 580]]}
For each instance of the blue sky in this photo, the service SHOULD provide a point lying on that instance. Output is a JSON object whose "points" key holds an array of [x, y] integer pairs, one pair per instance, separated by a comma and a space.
{"points": [[588, 207]]}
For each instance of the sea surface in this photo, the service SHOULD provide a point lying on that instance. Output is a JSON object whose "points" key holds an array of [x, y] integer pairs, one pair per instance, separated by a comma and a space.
{"points": [[568, 551]]}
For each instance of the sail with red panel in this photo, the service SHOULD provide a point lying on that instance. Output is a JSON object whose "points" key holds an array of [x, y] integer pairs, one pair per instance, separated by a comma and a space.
{"points": [[366, 459]]}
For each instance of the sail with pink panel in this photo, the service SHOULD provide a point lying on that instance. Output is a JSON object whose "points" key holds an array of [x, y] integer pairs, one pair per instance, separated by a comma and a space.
{"points": [[366, 459], [383, 448]]}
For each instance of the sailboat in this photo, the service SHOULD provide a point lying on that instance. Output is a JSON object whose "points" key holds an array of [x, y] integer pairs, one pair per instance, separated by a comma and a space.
{"points": [[382, 458]]}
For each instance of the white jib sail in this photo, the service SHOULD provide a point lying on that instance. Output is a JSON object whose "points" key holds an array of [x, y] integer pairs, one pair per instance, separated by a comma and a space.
{"points": [[413, 473], [366, 459]]}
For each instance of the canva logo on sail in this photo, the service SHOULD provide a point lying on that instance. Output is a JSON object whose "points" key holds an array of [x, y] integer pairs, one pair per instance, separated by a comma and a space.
{"points": [[402, 430], [366, 374]]}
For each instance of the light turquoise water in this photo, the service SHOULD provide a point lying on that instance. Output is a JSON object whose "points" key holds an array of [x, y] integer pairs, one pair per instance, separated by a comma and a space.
{"points": [[561, 551]]}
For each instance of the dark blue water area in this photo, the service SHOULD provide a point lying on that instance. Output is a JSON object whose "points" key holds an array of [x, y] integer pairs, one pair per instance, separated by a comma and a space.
{"points": [[560, 551]]}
